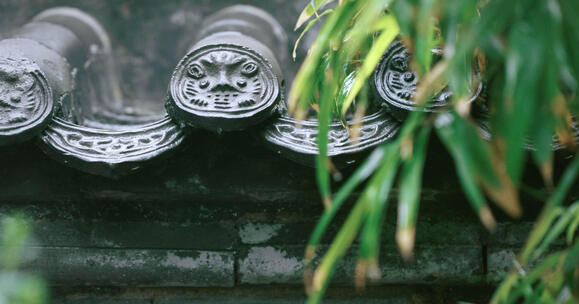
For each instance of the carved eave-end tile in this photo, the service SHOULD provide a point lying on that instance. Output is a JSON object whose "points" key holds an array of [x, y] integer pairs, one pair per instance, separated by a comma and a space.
{"points": [[231, 78], [106, 152], [296, 140], [396, 84], [26, 102], [223, 87], [62, 41], [485, 131]]}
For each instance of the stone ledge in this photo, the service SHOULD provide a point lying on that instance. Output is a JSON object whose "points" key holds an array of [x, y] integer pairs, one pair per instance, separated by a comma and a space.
{"points": [[134, 267], [146, 235], [432, 265], [500, 260], [278, 294], [298, 232]]}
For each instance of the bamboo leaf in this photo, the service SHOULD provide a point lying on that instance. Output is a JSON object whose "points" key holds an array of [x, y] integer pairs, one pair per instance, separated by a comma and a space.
{"points": [[571, 268], [303, 88], [306, 29], [370, 237], [572, 228], [465, 167], [523, 70], [410, 184], [361, 174], [566, 217], [550, 211], [323, 162], [377, 188], [424, 40], [567, 180], [372, 59], [310, 10], [338, 248]]}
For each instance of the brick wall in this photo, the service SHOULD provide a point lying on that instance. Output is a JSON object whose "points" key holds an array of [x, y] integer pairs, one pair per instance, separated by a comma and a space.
{"points": [[223, 219]]}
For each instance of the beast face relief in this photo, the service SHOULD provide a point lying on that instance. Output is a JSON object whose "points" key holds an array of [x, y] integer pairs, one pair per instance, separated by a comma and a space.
{"points": [[219, 83], [396, 83], [230, 79], [25, 100]]}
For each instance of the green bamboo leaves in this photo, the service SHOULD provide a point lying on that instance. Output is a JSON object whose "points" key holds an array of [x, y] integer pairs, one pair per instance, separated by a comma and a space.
{"points": [[556, 277], [344, 38], [526, 50], [409, 199], [387, 24], [368, 265], [369, 207], [310, 10], [535, 58], [472, 160], [361, 174]]}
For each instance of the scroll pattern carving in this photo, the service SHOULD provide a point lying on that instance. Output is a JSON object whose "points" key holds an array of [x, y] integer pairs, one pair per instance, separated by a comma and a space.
{"points": [[297, 139], [102, 151]]}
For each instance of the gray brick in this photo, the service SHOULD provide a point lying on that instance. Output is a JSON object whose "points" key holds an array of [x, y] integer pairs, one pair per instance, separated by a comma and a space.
{"points": [[432, 265], [149, 235], [134, 268], [500, 260]]}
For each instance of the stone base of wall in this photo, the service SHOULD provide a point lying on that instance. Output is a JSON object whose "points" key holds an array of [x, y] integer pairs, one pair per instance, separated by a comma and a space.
{"points": [[230, 224], [279, 294]]}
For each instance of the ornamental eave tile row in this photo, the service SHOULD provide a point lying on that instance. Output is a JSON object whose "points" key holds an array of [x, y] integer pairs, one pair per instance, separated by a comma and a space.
{"points": [[58, 85]]}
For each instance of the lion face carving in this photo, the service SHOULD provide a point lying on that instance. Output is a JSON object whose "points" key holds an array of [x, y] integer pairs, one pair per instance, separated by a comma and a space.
{"points": [[396, 82], [17, 100], [224, 81], [25, 99]]}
